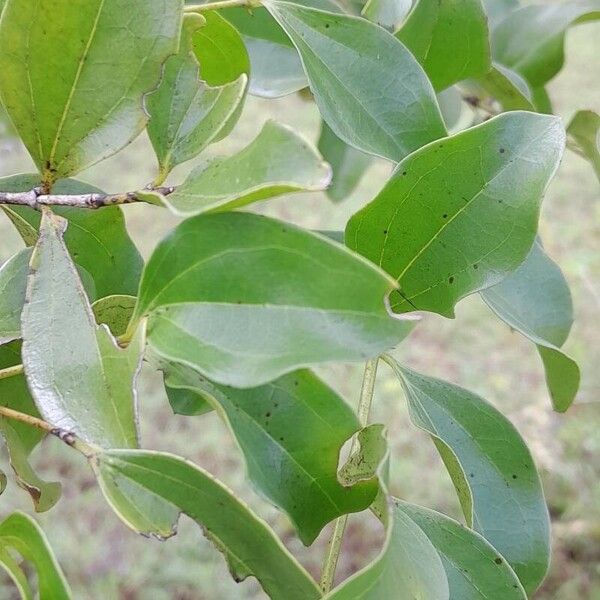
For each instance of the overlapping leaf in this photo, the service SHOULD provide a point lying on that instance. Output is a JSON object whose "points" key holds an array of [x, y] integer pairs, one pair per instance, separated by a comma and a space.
{"points": [[347, 163], [249, 545], [387, 13], [584, 137], [277, 161], [21, 533], [369, 88], [473, 566], [294, 467], [535, 300], [491, 468], [97, 240], [275, 67], [407, 567], [186, 114], [73, 75], [460, 214], [13, 281], [531, 40], [79, 378], [21, 439], [220, 50], [245, 299], [449, 38]]}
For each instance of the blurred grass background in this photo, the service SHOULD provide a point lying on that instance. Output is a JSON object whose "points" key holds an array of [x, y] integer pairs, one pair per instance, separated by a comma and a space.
{"points": [[104, 560]]}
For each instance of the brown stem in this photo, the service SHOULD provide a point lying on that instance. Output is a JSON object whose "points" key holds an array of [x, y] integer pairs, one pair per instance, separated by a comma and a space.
{"points": [[36, 198]]}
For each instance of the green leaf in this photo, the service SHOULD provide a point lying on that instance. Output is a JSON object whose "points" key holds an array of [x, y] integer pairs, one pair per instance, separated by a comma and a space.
{"points": [[43, 494], [474, 568], [535, 300], [231, 294], [365, 461], [294, 467], [249, 545], [491, 467], [277, 162], [73, 75], [12, 568], [505, 86], [584, 137], [115, 311], [531, 40], [186, 115], [275, 67], [13, 281], [80, 379], [21, 439], [97, 239], [387, 13], [23, 534], [220, 50], [498, 9], [347, 163], [459, 215], [407, 567], [369, 88], [449, 38]]}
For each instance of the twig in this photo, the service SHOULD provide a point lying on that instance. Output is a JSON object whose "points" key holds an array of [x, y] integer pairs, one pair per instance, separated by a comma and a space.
{"points": [[36, 198], [337, 537], [68, 437]]}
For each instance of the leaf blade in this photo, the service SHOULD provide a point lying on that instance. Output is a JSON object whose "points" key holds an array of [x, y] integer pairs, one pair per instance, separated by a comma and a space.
{"points": [[346, 60], [478, 175]]}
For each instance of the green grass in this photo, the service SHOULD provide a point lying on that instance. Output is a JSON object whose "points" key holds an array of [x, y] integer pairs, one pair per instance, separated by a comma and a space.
{"points": [[103, 560]]}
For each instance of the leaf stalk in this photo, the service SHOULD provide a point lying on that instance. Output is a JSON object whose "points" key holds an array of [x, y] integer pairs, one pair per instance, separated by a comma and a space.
{"points": [[68, 437], [337, 537]]}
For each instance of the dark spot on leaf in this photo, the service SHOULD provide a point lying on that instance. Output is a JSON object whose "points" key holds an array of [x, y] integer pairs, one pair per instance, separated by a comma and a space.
{"points": [[498, 560], [326, 25], [444, 216], [501, 150], [451, 280], [514, 476], [471, 475], [296, 382], [403, 172], [476, 266], [268, 415], [385, 232]]}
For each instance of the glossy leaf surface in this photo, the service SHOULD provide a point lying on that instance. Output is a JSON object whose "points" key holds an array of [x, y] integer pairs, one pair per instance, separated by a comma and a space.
{"points": [[186, 114], [491, 468], [369, 88], [294, 467], [449, 38], [277, 162], [249, 545], [80, 100], [209, 309], [80, 379], [460, 214], [474, 568], [535, 301]]}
